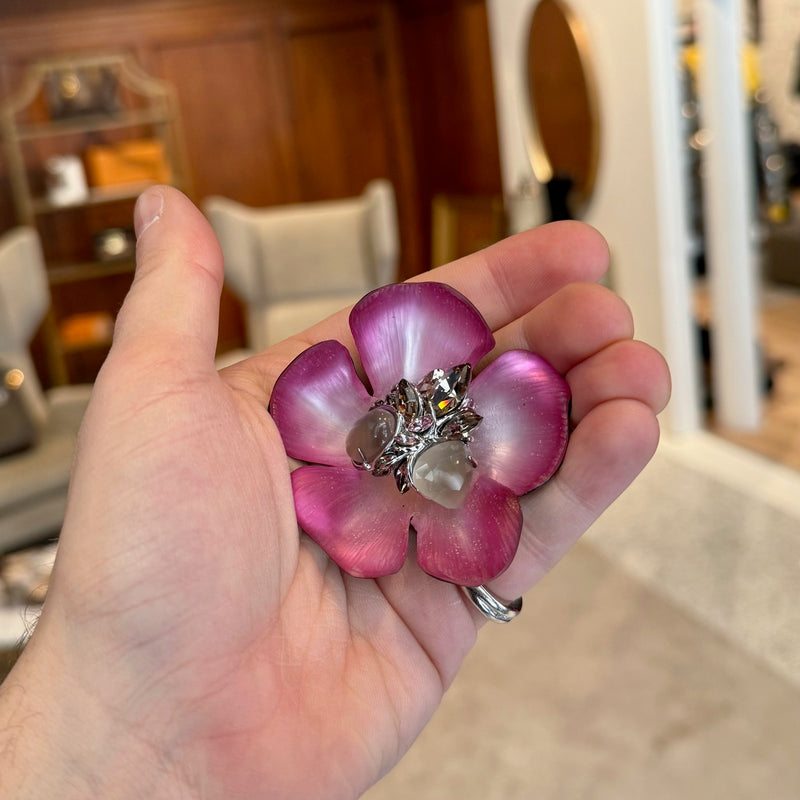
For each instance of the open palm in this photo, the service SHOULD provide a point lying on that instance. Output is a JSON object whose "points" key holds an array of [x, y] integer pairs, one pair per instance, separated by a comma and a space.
{"points": [[194, 629]]}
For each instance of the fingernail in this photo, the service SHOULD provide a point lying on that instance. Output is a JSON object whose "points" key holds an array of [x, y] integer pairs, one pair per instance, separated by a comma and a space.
{"points": [[148, 210]]}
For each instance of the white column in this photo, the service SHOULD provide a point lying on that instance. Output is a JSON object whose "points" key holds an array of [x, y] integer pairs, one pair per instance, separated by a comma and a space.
{"points": [[728, 212], [638, 202], [679, 342]]}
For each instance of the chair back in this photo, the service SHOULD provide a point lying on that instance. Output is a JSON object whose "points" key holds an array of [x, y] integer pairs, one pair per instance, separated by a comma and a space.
{"points": [[24, 300], [292, 265]]}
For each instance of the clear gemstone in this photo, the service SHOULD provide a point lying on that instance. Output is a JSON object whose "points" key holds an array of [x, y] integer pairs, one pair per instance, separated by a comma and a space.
{"points": [[370, 436], [445, 390], [443, 473]]}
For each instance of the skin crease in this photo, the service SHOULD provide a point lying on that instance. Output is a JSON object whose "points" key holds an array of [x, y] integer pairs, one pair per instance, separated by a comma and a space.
{"points": [[192, 644]]}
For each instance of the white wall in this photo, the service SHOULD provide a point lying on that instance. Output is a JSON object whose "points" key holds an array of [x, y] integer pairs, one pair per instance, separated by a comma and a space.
{"points": [[638, 198]]}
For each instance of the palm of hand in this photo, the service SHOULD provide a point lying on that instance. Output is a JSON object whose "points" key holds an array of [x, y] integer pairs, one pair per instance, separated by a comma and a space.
{"points": [[253, 630], [186, 602]]}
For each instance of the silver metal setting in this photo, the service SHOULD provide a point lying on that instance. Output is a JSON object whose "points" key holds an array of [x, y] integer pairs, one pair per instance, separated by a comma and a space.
{"points": [[491, 606], [437, 409]]}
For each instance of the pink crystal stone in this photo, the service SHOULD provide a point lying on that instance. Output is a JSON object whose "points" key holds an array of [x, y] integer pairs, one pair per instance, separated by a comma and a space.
{"points": [[443, 473], [370, 436]]}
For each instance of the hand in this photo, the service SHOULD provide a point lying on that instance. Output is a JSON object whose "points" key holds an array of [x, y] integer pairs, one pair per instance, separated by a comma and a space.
{"points": [[193, 643]]}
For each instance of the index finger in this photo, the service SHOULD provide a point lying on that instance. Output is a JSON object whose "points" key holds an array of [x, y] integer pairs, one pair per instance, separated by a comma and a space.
{"points": [[509, 278], [504, 281]]}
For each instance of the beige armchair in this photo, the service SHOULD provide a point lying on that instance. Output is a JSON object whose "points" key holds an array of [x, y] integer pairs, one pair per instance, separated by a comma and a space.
{"points": [[294, 265], [33, 482]]}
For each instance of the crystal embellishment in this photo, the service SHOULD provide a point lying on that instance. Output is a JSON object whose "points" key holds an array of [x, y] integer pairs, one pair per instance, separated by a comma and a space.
{"points": [[446, 389], [420, 434]]}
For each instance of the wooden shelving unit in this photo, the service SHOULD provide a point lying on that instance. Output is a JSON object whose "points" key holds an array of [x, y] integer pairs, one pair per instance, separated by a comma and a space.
{"points": [[144, 107]]}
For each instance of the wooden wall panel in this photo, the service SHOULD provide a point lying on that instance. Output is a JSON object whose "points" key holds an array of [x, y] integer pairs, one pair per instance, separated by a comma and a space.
{"points": [[339, 112], [234, 144], [287, 100], [295, 100], [345, 85], [451, 100]]}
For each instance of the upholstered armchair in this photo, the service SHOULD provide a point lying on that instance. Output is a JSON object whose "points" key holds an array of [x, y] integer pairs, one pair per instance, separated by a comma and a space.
{"points": [[294, 265], [33, 481]]}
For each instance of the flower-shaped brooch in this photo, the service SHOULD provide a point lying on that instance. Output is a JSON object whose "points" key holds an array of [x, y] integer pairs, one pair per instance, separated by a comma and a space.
{"points": [[431, 448]]}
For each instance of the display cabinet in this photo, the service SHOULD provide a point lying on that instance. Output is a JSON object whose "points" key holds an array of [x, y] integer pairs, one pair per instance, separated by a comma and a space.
{"points": [[82, 137]]}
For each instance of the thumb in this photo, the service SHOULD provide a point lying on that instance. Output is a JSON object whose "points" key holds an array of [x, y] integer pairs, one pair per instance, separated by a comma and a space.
{"points": [[172, 308]]}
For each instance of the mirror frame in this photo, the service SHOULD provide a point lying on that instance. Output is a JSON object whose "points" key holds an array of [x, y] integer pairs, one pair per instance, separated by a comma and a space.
{"points": [[537, 154]]}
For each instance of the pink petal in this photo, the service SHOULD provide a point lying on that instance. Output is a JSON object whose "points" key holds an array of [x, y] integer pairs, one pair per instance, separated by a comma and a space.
{"points": [[525, 407], [316, 401], [475, 543], [408, 329], [359, 520]]}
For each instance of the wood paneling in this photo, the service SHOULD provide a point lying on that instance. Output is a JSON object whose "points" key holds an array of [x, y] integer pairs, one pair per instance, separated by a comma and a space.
{"points": [[237, 139], [451, 100], [294, 100], [339, 109]]}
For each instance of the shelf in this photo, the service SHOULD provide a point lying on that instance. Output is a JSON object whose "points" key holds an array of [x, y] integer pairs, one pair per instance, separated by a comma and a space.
{"points": [[90, 124], [90, 270], [144, 108], [97, 197]]}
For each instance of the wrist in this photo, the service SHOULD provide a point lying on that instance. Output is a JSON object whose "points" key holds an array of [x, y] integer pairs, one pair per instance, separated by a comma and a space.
{"points": [[58, 740]]}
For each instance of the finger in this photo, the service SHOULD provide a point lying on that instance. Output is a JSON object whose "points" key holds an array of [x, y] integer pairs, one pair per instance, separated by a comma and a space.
{"points": [[172, 308], [509, 278], [606, 452], [571, 325], [626, 369]]}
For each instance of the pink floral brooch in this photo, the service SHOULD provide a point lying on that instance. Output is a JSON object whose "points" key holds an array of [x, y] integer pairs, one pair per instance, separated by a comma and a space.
{"points": [[432, 448]]}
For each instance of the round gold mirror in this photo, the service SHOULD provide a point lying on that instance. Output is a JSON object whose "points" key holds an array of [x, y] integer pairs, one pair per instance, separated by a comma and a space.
{"points": [[563, 130]]}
